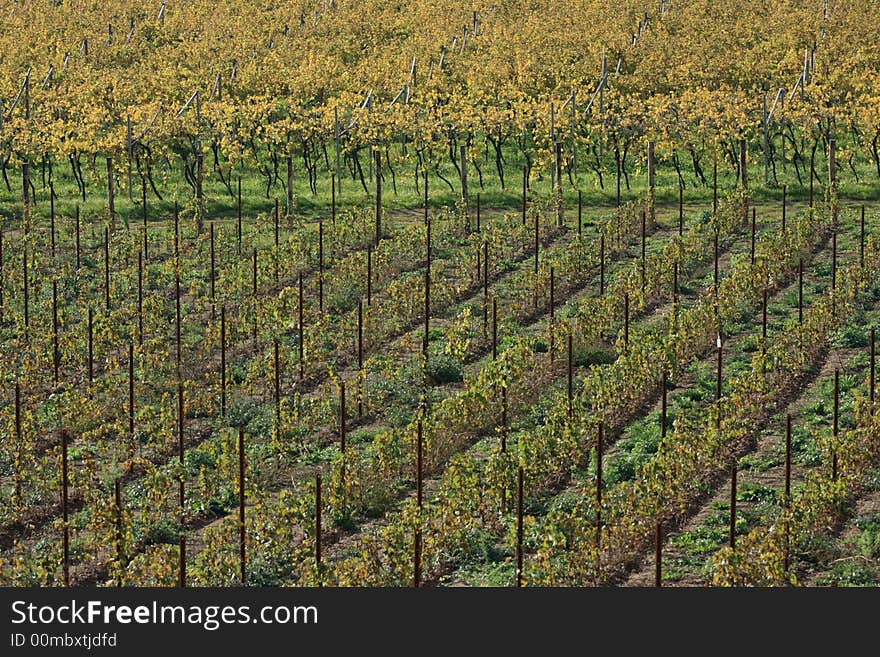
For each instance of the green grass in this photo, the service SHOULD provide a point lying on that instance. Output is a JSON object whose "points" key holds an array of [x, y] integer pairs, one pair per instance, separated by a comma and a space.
{"points": [[760, 463], [868, 540], [851, 572], [700, 542], [748, 492], [585, 354], [635, 448], [398, 194], [497, 574]]}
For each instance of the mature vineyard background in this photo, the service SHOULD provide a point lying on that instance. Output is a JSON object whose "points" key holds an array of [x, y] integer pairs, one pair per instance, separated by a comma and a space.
{"points": [[513, 293]]}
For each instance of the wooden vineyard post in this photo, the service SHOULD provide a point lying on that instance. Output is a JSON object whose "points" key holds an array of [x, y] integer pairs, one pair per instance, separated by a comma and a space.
{"points": [[333, 200], [732, 538], [238, 211], [91, 347], [715, 185], [626, 322], [644, 246], [753, 237], [56, 354], [479, 269], [674, 283], [600, 439], [834, 268], [427, 292], [494, 328], [176, 234], [318, 527], [180, 450], [342, 416], [52, 220], [524, 191], [26, 288], [111, 206], [275, 254], [200, 197], [117, 503], [254, 295], [485, 287], [276, 368], [417, 543], [479, 227], [342, 437], [784, 190], [764, 316], [129, 139], [680, 210], [417, 555], [181, 568], [658, 554], [663, 405], [718, 373], [223, 361], [560, 219], [503, 449], [140, 298], [360, 355], [289, 210], [834, 258], [552, 310], [77, 238], [131, 391], [425, 203], [871, 373], [25, 195], [1, 277], [862, 239], [464, 185], [378, 197], [617, 168], [64, 506], [832, 180], [503, 418], [212, 275], [570, 376], [580, 214], [537, 252], [321, 265], [301, 330], [242, 555], [177, 321], [602, 265], [651, 188], [801, 291], [419, 448], [16, 496], [743, 170], [787, 556], [338, 172], [144, 213], [519, 527], [812, 158], [715, 257], [107, 267], [835, 425], [369, 276]]}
